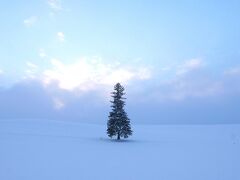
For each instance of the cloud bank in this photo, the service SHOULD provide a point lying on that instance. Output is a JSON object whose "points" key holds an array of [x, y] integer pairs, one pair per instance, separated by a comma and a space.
{"points": [[80, 91]]}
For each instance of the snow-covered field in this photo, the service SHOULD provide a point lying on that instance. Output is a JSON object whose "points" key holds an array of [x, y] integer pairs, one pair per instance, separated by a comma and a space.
{"points": [[50, 150]]}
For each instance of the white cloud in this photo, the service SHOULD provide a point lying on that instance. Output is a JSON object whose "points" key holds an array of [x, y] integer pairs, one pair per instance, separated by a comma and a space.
{"points": [[88, 74], [31, 70], [58, 103], [30, 21], [42, 53], [55, 5], [61, 36], [31, 65], [188, 66], [1, 72], [233, 71], [144, 73]]}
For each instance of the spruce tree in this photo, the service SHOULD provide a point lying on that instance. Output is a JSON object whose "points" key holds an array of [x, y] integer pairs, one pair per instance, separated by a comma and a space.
{"points": [[118, 122]]}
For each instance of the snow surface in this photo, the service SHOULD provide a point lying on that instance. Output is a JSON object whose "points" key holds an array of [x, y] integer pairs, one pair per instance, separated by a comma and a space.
{"points": [[51, 150]]}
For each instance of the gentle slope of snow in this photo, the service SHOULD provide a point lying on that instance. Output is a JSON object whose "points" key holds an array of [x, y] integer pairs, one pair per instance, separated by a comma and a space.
{"points": [[47, 150]]}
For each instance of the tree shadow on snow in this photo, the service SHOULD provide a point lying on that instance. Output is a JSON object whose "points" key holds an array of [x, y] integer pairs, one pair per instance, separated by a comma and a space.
{"points": [[119, 141]]}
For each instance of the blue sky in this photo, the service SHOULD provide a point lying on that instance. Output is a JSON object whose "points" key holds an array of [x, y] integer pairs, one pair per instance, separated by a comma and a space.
{"points": [[181, 55]]}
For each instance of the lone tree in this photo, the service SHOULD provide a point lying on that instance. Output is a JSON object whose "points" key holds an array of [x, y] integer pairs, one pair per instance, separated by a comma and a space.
{"points": [[118, 122]]}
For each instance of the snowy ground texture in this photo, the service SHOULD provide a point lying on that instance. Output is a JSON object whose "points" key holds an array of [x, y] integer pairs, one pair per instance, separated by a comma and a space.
{"points": [[50, 150]]}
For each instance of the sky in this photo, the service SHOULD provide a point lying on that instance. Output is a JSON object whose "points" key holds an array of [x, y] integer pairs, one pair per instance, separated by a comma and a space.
{"points": [[179, 61]]}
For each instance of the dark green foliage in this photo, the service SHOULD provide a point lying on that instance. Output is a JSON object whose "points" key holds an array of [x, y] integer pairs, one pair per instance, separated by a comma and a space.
{"points": [[118, 122]]}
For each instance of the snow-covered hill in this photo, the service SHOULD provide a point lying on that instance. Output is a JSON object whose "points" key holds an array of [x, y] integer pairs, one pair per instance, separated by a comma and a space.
{"points": [[51, 150]]}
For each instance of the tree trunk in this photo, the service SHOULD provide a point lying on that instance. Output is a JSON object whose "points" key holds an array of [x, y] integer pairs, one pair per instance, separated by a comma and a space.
{"points": [[118, 137]]}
